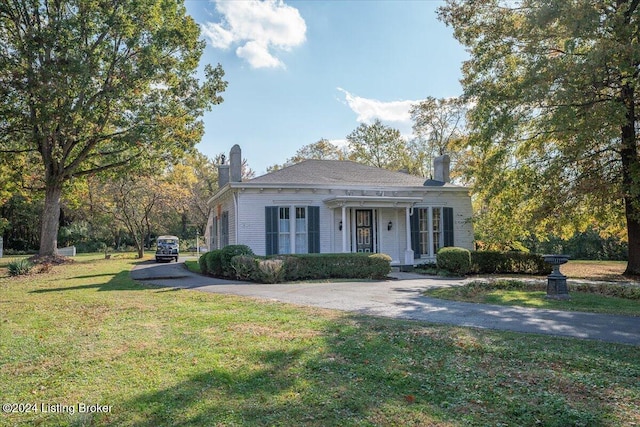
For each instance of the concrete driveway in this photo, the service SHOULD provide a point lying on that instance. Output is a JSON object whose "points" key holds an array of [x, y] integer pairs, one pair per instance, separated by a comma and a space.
{"points": [[402, 299]]}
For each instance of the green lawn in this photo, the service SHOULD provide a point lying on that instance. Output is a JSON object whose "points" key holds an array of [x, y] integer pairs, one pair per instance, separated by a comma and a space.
{"points": [[86, 334], [527, 294]]}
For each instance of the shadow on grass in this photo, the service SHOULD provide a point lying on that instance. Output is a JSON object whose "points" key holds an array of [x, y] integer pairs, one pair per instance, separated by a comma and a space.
{"points": [[374, 372], [120, 282]]}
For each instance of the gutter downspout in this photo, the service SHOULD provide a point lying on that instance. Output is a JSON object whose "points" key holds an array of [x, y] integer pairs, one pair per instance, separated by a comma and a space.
{"points": [[236, 219]]}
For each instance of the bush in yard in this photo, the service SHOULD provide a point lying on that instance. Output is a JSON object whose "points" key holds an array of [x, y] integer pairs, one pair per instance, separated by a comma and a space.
{"points": [[227, 253], [244, 266], [380, 265], [270, 271], [454, 259], [214, 263], [339, 265], [19, 267], [202, 262], [617, 290], [492, 262]]}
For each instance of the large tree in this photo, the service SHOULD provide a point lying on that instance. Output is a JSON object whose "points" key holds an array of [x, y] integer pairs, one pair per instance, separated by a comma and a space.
{"points": [[377, 145], [439, 127], [138, 203], [323, 149], [554, 88], [91, 85]]}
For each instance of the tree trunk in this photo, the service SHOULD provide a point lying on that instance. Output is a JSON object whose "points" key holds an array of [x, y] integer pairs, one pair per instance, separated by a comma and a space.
{"points": [[50, 219], [633, 232], [631, 180]]}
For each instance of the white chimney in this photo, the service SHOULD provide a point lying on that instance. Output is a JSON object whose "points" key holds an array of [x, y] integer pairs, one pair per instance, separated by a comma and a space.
{"points": [[441, 168], [235, 160]]}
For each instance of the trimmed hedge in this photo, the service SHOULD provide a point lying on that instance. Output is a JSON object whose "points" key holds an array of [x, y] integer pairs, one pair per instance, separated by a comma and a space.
{"points": [[335, 266], [226, 255], [239, 262], [244, 266], [214, 263], [493, 262], [454, 259], [217, 263], [270, 271], [202, 263]]}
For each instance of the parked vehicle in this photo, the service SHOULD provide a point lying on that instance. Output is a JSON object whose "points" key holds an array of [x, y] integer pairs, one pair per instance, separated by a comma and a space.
{"points": [[168, 248]]}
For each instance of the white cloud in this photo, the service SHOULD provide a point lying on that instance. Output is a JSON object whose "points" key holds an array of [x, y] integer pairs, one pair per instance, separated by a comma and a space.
{"points": [[258, 56], [217, 35], [371, 109], [258, 28]]}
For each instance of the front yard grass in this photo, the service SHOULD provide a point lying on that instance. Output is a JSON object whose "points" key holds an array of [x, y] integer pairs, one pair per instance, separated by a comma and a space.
{"points": [[580, 301], [87, 334]]}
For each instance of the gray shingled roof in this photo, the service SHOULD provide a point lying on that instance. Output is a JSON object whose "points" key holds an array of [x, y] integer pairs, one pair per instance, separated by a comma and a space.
{"points": [[340, 172]]}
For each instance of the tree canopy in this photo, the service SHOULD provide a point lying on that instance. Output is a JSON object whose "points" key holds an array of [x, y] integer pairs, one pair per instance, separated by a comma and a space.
{"points": [[554, 118], [322, 149], [439, 127], [92, 85], [377, 145]]}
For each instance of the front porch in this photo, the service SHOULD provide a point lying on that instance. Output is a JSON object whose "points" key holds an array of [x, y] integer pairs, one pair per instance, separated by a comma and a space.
{"points": [[373, 224]]}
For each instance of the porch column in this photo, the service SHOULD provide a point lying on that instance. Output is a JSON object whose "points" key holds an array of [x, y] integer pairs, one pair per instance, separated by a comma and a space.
{"points": [[408, 253], [344, 229]]}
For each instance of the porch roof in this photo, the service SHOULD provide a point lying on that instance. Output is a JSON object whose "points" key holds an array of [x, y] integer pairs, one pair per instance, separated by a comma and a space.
{"points": [[371, 201]]}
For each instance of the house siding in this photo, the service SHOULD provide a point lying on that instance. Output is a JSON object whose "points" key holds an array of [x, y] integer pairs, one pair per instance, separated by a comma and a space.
{"points": [[249, 223], [251, 219], [223, 204]]}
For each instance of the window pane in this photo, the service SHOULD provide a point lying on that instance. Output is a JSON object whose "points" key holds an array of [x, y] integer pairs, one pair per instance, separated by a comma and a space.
{"points": [[284, 213], [437, 228], [284, 239], [283, 244], [283, 223], [301, 221], [301, 244], [301, 231], [423, 221]]}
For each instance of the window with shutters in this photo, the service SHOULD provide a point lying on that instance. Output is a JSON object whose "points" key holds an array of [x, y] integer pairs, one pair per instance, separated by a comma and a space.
{"points": [[292, 229], [431, 229]]}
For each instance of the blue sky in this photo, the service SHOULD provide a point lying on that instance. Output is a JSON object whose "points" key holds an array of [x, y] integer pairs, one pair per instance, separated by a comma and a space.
{"points": [[299, 71]]}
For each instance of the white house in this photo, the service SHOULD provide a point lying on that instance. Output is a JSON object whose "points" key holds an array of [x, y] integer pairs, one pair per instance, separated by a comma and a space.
{"points": [[329, 206]]}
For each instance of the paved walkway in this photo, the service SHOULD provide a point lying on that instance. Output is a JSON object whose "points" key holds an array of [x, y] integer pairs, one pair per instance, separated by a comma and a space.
{"points": [[402, 299]]}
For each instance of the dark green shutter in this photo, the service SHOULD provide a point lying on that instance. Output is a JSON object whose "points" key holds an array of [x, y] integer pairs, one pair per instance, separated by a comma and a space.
{"points": [[271, 229], [313, 229], [414, 221], [224, 229], [447, 226]]}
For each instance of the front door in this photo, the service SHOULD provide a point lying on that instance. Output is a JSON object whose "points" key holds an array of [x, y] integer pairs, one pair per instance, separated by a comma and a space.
{"points": [[364, 230]]}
